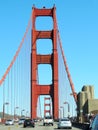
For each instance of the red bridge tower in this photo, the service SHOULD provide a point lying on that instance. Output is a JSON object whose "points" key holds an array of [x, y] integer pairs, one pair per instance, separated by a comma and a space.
{"points": [[47, 104], [52, 59]]}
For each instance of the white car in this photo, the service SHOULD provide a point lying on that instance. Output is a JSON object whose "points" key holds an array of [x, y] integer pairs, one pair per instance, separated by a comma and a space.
{"points": [[21, 121], [64, 123], [48, 120], [9, 122]]}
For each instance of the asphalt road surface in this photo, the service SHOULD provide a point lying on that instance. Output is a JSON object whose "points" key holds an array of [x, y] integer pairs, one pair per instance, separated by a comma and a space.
{"points": [[38, 126]]}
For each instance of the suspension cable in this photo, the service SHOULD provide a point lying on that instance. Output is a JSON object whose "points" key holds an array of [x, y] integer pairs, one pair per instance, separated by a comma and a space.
{"points": [[39, 96], [16, 54], [67, 70], [66, 66]]}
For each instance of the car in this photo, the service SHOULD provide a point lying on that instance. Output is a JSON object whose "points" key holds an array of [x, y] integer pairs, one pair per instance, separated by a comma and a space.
{"points": [[48, 120], [35, 120], [94, 123], [21, 121], [9, 122], [16, 120], [29, 123], [64, 123]]}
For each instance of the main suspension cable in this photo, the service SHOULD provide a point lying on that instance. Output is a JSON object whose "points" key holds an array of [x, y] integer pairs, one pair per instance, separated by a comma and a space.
{"points": [[16, 54]]}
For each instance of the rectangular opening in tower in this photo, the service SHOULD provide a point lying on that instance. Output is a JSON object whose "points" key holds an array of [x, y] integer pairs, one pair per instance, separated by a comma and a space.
{"points": [[44, 76], [44, 46], [44, 23], [43, 106]]}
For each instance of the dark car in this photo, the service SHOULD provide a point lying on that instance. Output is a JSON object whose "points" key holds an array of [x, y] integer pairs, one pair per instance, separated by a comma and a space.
{"points": [[29, 123]]}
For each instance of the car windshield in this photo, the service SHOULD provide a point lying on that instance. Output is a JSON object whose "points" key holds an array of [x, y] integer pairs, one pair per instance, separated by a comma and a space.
{"points": [[28, 120], [9, 120], [65, 119], [22, 119], [48, 117]]}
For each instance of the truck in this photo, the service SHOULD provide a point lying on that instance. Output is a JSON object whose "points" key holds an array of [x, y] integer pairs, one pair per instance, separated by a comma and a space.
{"points": [[48, 120]]}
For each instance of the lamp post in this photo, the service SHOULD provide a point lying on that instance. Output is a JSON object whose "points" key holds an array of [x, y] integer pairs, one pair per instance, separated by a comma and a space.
{"points": [[26, 113], [22, 112], [59, 113], [68, 108], [15, 112], [63, 110], [76, 109], [6, 103]]}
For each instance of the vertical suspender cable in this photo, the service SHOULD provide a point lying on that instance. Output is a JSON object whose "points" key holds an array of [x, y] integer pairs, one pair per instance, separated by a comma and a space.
{"points": [[14, 89], [11, 91], [3, 98], [8, 94], [67, 70], [39, 96], [16, 54]]}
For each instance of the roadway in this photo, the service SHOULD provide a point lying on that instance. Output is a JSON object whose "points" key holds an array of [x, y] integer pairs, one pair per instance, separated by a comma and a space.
{"points": [[38, 126]]}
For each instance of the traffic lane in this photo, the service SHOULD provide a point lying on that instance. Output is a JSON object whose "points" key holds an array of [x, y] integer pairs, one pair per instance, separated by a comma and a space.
{"points": [[54, 127], [38, 126], [73, 128]]}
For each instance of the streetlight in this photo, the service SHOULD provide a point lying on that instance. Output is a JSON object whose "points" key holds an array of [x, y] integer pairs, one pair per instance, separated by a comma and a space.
{"points": [[15, 112], [68, 108], [22, 112], [73, 106], [63, 110], [59, 113], [6, 103], [27, 113]]}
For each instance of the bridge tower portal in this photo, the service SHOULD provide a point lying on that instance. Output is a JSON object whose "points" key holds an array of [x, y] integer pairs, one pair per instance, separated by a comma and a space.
{"points": [[36, 59]]}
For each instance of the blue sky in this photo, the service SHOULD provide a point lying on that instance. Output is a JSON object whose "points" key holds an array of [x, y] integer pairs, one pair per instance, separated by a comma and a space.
{"points": [[78, 27]]}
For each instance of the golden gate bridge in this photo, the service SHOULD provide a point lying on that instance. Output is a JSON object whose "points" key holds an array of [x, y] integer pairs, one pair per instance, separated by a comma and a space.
{"points": [[22, 90]]}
